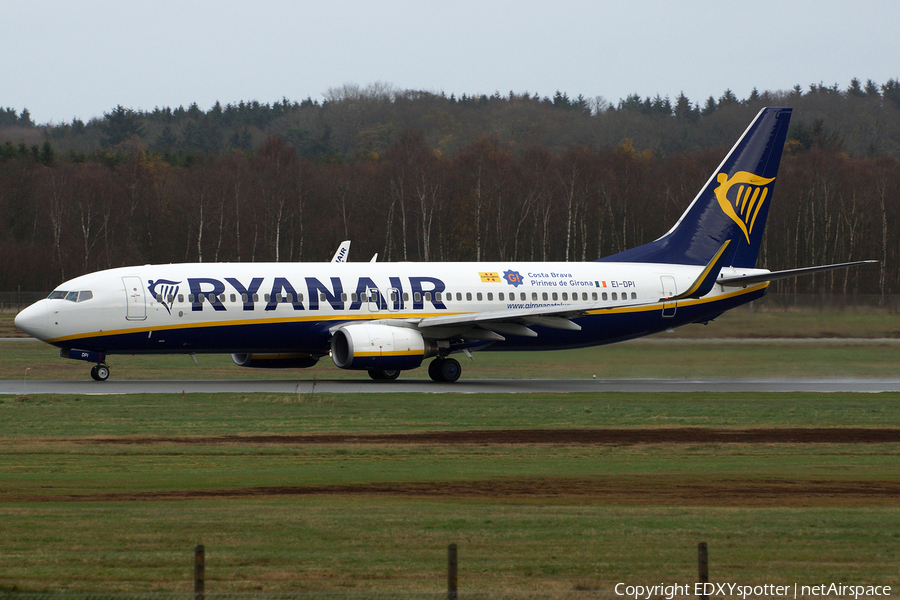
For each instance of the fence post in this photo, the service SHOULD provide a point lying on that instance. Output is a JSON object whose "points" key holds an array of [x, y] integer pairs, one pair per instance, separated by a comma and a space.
{"points": [[452, 566], [199, 572], [703, 564]]}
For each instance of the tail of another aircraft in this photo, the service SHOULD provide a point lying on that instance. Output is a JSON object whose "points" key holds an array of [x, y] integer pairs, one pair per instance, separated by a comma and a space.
{"points": [[733, 204]]}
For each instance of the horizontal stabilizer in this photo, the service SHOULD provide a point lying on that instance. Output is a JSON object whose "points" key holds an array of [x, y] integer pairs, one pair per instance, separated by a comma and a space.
{"points": [[764, 277]]}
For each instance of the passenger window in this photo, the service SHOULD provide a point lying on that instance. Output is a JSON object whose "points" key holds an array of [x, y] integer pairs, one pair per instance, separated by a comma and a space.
{"points": [[565, 296], [522, 296], [222, 298], [500, 296], [634, 295], [171, 299], [594, 296], [478, 296], [428, 296], [490, 296], [605, 297], [544, 295], [417, 297], [267, 297], [534, 295], [191, 298], [468, 295], [555, 296], [584, 296], [406, 296], [437, 296], [614, 296], [181, 297], [244, 298], [256, 298], [459, 295]]}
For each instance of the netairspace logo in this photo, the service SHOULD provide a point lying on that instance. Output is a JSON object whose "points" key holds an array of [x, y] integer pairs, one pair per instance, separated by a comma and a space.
{"points": [[734, 590]]}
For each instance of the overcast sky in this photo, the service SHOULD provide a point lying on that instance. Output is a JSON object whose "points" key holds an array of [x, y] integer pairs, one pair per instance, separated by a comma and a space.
{"points": [[64, 59]]}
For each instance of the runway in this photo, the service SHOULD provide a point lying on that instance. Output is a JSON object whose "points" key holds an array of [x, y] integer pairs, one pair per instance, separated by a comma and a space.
{"points": [[425, 386]]}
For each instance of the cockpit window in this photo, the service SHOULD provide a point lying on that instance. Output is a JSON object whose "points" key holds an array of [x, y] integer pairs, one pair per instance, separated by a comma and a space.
{"points": [[71, 296]]}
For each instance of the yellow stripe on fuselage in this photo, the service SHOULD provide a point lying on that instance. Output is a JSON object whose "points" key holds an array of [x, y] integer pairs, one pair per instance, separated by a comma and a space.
{"points": [[375, 316]]}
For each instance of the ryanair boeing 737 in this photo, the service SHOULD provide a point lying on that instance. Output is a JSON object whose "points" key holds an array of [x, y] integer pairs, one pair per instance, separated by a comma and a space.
{"points": [[385, 318]]}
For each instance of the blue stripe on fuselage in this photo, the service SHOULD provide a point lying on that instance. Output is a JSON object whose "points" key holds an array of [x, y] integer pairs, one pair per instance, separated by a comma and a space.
{"points": [[313, 336]]}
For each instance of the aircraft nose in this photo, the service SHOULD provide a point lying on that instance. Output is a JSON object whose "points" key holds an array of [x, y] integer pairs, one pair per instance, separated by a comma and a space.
{"points": [[33, 320]]}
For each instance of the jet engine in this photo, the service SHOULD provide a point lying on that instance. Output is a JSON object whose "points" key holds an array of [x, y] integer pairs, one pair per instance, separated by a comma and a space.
{"points": [[380, 347], [275, 361]]}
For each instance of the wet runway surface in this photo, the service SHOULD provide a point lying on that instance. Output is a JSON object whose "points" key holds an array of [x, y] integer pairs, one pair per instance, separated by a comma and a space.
{"points": [[426, 386]]}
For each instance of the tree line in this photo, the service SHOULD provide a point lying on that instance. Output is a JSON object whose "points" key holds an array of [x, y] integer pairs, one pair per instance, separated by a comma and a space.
{"points": [[491, 199], [355, 122]]}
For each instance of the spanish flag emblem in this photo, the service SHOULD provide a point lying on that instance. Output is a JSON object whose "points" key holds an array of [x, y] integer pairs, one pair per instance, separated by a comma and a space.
{"points": [[490, 277]]}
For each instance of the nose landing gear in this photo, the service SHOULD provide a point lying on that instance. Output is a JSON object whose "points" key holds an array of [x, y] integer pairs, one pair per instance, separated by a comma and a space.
{"points": [[100, 371]]}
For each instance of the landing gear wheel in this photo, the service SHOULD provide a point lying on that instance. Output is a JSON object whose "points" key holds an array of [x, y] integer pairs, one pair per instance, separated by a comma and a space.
{"points": [[99, 372], [444, 369], [434, 369], [384, 374], [450, 370]]}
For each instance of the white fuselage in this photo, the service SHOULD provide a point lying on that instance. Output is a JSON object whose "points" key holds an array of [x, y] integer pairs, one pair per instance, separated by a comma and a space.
{"points": [[228, 307]]}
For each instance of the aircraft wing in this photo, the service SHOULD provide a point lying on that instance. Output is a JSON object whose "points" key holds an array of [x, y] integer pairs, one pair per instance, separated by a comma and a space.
{"points": [[516, 321]]}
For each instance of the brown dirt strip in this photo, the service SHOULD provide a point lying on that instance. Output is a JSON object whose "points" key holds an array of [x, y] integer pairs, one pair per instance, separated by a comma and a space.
{"points": [[612, 437], [658, 490]]}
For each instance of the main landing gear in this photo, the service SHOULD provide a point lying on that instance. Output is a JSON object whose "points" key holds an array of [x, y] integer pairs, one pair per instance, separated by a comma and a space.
{"points": [[100, 372], [444, 369], [441, 369], [384, 374]]}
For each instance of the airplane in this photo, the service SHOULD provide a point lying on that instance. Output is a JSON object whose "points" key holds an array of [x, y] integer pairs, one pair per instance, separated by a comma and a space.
{"points": [[387, 317]]}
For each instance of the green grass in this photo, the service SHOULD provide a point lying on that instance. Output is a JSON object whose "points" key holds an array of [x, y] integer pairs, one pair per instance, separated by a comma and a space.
{"points": [[88, 504], [350, 544], [638, 359], [55, 417]]}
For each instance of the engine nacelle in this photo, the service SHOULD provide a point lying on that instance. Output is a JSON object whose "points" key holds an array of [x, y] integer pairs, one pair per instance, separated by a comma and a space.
{"points": [[375, 346], [275, 361]]}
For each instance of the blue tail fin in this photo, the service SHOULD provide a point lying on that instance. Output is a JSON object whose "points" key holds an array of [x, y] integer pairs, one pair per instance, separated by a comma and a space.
{"points": [[733, 204]]}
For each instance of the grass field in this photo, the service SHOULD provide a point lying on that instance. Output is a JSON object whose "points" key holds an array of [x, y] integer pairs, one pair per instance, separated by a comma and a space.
{"points": [[546, 492], [663, 358], [112, 493]]}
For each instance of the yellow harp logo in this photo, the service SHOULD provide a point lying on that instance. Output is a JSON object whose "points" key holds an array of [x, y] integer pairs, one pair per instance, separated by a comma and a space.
{"points": [[743, 204]]}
